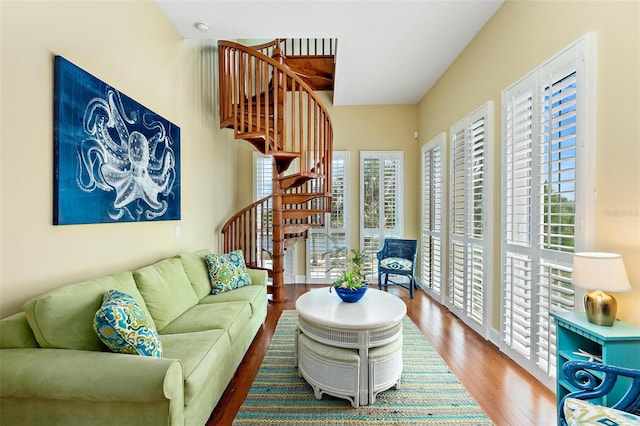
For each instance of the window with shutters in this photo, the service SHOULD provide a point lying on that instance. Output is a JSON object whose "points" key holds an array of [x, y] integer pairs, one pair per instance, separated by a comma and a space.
{"points": [[263, 175], [470, 250], [433, 204], [263, 187], [324, 241], [381, 204], [545, 182]]}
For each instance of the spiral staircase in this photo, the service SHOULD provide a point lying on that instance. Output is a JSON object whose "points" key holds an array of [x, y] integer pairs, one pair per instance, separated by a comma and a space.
{"points": [[267, 96]]}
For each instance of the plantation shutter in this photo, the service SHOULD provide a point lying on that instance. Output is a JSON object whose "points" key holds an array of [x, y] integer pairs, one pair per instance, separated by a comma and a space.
{"points": [[518, 186], [542, 178], [324, 240], [557, 189], [263, 175], [469, 244], [432, 215], [380, 201]]}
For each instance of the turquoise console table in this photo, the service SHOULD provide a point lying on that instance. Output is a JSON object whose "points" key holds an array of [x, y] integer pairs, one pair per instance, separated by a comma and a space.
{"points": [[617, 345]]}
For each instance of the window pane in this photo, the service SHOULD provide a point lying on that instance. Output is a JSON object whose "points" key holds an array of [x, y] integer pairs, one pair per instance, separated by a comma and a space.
{"points": [[371, 196]]}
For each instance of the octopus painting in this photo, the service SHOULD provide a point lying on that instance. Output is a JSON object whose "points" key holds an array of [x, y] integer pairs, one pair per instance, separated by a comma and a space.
{"points": [[126, 160]]}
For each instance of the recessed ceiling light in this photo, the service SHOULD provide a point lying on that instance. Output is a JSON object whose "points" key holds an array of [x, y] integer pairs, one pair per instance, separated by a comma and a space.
{"points": [[202, 26]]}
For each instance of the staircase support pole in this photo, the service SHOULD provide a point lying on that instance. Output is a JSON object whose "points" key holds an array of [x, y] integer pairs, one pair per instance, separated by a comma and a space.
{"points": [[278, 241]]}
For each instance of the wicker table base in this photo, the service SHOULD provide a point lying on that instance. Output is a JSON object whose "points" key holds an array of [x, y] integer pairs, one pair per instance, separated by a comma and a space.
{"points": [[350, 349]]}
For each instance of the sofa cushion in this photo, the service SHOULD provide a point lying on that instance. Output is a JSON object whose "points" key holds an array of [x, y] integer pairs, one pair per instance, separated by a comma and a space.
{"points": [[579, 412], [166, 290], [197, 271], [254, 294], [63, 318], [227, 271], [201, 354], [230, 316], [124, 327]]}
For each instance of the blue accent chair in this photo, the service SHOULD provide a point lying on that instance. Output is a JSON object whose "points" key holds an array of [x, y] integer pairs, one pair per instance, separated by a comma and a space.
{"points": [[397, 257], [595, 380]]}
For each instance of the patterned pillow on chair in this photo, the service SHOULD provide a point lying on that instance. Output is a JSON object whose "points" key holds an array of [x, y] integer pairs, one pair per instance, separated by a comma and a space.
{"points": [[227, 271], [582, 413], [123, 326], [396, 263]]}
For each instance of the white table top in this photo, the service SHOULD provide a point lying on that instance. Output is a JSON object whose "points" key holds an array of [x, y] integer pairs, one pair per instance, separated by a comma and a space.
{"points": [[376, 309]]}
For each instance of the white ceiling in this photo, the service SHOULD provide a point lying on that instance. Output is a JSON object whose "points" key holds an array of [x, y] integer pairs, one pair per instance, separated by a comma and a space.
{"points": [[389, 52]]}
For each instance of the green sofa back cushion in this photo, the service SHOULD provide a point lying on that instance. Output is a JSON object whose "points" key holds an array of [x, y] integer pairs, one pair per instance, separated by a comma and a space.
{"points": [[166, 290], [197, 271], [63, 318]]}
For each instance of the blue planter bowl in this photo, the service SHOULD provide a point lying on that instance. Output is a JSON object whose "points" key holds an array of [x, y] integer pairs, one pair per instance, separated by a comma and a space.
{"points": [[351, 296]]}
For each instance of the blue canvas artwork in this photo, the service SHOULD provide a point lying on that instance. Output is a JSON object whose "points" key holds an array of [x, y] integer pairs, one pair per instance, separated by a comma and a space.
{"points": [[115, 160]]}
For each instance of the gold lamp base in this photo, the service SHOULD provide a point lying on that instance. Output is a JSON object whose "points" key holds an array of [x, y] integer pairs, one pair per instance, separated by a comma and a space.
{"points": [[600, 307]]}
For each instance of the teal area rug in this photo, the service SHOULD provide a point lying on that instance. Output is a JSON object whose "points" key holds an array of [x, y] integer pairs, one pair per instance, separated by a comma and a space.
{"points": [[430, 393]]}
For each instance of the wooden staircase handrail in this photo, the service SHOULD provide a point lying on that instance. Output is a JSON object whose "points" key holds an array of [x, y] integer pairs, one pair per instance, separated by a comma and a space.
{"points": [[241, 231], [296, 46]]}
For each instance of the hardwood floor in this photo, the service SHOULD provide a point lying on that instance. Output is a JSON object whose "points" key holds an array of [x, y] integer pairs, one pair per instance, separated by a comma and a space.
{"points": [[506, 392]]}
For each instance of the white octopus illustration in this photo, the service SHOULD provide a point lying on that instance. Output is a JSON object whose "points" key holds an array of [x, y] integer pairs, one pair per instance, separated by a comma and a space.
{"points": [[114, 158]]}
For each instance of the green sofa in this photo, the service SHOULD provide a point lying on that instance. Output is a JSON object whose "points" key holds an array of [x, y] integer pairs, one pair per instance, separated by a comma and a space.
{"points": [[55, 370]]}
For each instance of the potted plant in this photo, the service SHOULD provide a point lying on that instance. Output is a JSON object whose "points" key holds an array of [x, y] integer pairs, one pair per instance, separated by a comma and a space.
{"points": [[352, 283]]}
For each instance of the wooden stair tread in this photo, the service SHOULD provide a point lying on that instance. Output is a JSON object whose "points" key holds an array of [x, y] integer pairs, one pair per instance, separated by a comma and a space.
{"points": [[300, 213], [297, 179], [297, 228], [285, 154], [300, 197]]}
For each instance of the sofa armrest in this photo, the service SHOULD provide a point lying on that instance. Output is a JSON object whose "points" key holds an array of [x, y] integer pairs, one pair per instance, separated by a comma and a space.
{"points": [[16, 333], [258, 276], [88, 375]]}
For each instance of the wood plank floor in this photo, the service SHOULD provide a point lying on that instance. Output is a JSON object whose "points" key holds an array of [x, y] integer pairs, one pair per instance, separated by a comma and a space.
{"points": [[507, 393]]}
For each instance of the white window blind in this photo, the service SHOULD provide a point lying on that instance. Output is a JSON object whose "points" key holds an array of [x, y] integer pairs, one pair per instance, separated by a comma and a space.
{"points": [[381, 204], [470, 248], [323, 241], [263, 187], [263, 175], [433, 195], [545, 152]]}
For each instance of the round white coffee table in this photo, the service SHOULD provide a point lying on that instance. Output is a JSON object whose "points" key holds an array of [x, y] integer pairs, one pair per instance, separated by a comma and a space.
{"points": [[373, 321]]}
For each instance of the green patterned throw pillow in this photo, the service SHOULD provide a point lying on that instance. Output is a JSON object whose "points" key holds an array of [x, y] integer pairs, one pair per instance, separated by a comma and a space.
{"points": [[227, 271], [123, 326]]}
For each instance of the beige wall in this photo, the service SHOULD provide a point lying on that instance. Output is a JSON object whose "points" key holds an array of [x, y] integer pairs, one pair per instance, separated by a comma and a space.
{"points": [[523, 35], [133, 47]]}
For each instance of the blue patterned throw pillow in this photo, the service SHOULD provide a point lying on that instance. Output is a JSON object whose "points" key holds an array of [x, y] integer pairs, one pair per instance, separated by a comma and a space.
{"points": [[227, 271], [124, 327]]}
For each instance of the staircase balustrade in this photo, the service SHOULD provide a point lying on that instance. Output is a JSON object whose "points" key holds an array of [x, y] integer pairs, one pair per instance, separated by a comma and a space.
{"points": [[267, 104]]}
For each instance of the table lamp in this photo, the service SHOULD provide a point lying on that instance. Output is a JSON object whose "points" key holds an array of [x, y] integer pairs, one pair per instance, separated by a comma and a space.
{"points": [[600, 272]]}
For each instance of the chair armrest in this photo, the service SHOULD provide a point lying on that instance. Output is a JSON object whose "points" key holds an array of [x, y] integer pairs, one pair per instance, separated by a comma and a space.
{"points": [[590, 387], [88, 375]]}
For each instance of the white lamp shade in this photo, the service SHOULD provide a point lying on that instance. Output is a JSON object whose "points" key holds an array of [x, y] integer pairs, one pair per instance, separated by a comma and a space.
{"points": [[600, 271]]}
